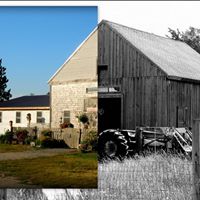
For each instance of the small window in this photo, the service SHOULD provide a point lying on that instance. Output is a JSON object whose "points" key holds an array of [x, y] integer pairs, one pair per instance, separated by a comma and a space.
{"points": [[66, 117], [103, 74], [0, 117], [18, 117], [39, 117]]}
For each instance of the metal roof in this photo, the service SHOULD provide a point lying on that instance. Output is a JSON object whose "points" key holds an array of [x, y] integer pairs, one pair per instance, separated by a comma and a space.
{"points": [[27, 101], [175, 58]]}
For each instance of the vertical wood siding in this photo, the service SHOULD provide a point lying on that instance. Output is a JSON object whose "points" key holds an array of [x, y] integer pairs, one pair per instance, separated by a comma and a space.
{"points": [[149, 98]]}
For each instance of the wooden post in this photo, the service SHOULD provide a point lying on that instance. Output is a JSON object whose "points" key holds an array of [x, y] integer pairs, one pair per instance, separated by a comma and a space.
{"points": [[139, 141], [196, 159], [176, 116], [11, 126], [80, 133]]}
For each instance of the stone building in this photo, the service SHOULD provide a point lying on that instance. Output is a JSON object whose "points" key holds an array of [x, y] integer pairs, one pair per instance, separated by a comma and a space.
{"points": [[73, 88]]}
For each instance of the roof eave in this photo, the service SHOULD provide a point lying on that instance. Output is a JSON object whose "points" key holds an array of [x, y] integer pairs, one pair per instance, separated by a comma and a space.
{"points": [[74, 81], [69, 58], [177, 78], [25, 108]]}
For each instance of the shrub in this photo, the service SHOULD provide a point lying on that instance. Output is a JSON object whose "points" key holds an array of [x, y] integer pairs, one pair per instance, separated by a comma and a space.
{"points": [[42, 137], [21, 134], [83, 118], [66, 125], [37, 142], [2, 139], [28, 140], [53, 143], [8, 137], [47, 133], [90, 142]]}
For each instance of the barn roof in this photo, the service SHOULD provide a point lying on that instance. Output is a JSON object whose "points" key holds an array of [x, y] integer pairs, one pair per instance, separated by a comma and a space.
{"points": [[27, 101], [175, 58]]}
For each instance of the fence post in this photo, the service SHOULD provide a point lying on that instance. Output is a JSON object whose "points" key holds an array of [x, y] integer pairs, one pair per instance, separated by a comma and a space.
{"points": [[80, 133], [139, 141], [196, 158]]}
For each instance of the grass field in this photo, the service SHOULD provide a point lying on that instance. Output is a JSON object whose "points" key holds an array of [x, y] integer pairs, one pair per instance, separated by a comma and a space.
{"points": [[76, 170], [5, 148], [155, 177]]}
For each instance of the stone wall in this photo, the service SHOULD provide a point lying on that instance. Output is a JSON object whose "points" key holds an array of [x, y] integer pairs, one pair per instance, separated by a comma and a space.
{"points": [[70, 97]]}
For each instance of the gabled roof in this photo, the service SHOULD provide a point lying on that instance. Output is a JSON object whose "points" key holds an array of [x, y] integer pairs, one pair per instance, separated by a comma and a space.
{"points": [[81, 65], [175, 58], [27, 101]]}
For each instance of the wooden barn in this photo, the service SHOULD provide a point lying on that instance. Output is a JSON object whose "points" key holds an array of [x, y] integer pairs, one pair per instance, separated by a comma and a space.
{"points": [[145, 79]]}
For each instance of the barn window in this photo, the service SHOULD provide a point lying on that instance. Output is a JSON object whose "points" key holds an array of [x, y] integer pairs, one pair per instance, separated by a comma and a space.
{"points": [[103, 74], [66, 117], [39, 117], [18, 117], [0, 117]]}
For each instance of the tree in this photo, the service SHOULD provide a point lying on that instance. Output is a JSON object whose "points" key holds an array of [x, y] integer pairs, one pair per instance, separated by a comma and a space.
{"points": [[4, 94], [190, 37]]}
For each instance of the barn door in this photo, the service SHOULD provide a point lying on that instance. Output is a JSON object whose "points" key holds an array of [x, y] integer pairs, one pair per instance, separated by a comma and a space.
{"points": [[181, 116], [109, 113]]}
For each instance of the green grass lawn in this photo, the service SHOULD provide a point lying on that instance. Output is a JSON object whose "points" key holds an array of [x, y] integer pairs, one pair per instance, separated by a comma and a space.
{"points": [[77, 170], [15, 148]]}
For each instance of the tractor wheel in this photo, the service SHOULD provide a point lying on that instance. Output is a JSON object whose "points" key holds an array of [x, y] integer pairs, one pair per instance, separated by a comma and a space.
{"points": [[112, 145]]}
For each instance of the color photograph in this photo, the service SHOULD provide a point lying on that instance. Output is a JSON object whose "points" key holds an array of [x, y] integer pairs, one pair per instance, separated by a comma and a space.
{"points": [[126, 100], [48, 97]]}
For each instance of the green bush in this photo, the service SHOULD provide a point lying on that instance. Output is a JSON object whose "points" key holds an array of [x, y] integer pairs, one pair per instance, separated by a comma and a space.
{"points": [[47, 133], [53, 143], [37, 142], [21, 134], [90, 142], [2, 139], [8, 137], [83, 118], [28, 140]]}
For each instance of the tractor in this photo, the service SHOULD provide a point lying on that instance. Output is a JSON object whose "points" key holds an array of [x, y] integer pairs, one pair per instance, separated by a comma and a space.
{"points": [[116, 143]]}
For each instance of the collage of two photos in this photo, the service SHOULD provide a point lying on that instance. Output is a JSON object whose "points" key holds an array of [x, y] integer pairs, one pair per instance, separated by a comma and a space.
{"points": [[95, 107]]}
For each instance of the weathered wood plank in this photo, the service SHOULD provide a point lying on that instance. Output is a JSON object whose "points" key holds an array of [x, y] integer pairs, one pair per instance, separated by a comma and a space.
{"points": [[196, 159], [151, 98]]}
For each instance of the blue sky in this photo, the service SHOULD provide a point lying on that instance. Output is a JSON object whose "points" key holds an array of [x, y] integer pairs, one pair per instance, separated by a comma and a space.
{"points": [[35, 42]]}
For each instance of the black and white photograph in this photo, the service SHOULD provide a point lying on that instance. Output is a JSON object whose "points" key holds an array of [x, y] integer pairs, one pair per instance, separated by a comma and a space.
{"points": [[126, 100]]}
